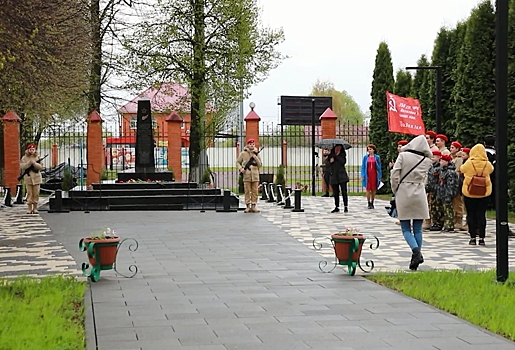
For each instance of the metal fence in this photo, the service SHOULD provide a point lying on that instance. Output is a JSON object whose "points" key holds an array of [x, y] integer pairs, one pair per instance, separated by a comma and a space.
{"points": [[290, 146]]}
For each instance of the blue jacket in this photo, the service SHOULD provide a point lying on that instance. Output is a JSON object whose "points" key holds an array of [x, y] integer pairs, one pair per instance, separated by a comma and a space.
{"points": [[364, 170]]}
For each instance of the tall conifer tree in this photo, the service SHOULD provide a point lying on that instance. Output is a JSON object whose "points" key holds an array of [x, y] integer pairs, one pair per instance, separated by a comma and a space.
{"points": [[474, 92], [382, 81]]}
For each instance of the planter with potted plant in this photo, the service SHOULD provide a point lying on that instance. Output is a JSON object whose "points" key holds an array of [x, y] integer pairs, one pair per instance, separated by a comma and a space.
{"points": [[102, 250], [347, 246]]}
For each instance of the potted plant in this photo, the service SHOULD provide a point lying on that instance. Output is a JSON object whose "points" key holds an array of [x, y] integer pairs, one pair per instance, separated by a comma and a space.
{"points": [[347, 247], [206, 179], [67, 183], [101, 248], [280, 177]]}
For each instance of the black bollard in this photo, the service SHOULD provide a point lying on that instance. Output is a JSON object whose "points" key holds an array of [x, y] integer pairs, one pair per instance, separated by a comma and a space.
{"points": [[19, 194], [280, 195], [287, 200], [264, 195], [271, 198], [298, 196], [7, 197], [226, 203]]}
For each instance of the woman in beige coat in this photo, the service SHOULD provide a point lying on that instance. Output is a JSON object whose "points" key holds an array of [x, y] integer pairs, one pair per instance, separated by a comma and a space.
{"points": [[408, 180], [32, 178]]}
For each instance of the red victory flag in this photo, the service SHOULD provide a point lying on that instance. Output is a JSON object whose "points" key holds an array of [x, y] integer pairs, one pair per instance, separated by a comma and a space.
{"points": [[404, 115]]}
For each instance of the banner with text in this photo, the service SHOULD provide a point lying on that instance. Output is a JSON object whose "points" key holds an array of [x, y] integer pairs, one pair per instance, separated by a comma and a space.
{"points": [[404, 115]]}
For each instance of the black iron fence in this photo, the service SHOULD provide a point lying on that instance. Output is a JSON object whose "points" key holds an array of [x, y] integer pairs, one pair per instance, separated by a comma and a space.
{"points": [[287, 149]]}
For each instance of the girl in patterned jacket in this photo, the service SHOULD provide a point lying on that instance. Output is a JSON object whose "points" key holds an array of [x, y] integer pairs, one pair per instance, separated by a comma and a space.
{"points": [[446, 190]]}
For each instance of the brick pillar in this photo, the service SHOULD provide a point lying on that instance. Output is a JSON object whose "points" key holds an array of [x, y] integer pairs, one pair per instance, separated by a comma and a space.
{"points": [[55, 155], [94, 148], [284, 151], [252, 127], [173, 124], [12, 155], [237, 149], [328, 123]]}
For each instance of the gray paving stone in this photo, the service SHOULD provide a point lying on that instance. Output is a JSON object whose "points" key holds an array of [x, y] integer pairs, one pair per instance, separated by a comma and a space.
{"points": [[296, 345], [261, 289]]}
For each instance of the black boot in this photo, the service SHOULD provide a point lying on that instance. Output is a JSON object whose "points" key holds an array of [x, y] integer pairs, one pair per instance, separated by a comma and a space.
{"points": [[416, 259], [326, 194]]}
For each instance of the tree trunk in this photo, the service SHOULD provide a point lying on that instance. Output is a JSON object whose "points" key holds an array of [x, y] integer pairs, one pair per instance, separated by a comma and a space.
{"points": [[198, 99], [95, 80]]}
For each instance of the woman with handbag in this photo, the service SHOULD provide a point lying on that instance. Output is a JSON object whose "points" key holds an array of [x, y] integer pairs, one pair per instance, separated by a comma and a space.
{"points": [[408, 180]]}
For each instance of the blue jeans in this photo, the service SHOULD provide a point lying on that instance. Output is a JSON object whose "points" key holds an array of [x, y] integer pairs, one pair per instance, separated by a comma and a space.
{"points": [[414, 239]]}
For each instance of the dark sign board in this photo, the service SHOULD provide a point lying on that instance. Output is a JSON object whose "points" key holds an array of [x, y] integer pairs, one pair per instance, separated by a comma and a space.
{"points": [[297, 110]]}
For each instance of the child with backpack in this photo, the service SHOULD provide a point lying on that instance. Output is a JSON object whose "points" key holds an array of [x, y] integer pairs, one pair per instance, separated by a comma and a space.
{"points": [[476, 189]]}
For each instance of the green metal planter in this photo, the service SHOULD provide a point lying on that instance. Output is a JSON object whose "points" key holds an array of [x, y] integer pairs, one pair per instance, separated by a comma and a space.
{"points": [[102, 254], [347, 251]]}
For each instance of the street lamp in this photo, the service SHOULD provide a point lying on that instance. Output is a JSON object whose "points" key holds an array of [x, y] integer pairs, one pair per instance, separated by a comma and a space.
{"points": [[252, 105], [438, 98], [501, 133]]}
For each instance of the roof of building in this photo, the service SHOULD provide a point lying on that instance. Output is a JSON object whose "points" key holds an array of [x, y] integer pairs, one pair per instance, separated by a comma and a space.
{"points": [[164, 98]]}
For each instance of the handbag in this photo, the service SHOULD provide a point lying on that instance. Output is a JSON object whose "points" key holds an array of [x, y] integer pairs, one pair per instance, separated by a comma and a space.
{"points": [[393, 204]]}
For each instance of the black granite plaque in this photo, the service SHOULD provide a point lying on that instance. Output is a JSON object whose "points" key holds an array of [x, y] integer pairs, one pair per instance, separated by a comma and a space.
{"points": [[144, 139]]}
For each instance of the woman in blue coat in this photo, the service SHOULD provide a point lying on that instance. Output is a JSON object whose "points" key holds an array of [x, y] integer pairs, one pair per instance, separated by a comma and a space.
{"points": [[371, 174]]}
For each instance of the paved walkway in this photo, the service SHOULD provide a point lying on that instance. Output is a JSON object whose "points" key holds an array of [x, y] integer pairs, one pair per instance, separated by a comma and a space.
{"points": [[28, 247], [219, 281], [441, 250]]}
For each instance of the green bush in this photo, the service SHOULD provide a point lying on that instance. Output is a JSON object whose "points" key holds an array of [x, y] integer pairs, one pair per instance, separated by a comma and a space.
{"points": [[206, 177], [67, 180], [104, 175], [280, 176]]}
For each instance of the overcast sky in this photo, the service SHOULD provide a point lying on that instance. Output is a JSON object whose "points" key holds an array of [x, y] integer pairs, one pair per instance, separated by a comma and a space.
{"points": [[337, 40]]}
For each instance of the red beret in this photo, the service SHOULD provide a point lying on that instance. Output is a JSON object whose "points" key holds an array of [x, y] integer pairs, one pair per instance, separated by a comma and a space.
{"points": [[446, 157], [251, 141], [31, 145], [466, 150], [402, 142], [431, 133], [437, 153], [456, 144], [443, 137]]}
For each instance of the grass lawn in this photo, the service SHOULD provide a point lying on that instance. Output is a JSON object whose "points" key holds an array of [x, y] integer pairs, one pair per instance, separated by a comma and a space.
{"points": [[46, 314], [471, 295]]}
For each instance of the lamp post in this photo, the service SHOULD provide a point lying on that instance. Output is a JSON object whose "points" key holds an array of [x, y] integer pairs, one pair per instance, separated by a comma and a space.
{"points": [[501, 133], [438, 98]]}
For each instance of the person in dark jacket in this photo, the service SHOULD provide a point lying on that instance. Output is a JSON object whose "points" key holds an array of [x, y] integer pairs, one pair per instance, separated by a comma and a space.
{"points": [[326, 175], [336, 161]]}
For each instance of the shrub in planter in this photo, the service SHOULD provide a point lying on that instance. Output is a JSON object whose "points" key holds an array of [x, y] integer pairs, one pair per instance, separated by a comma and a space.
{"points": [[68, 182], [280, 176]]}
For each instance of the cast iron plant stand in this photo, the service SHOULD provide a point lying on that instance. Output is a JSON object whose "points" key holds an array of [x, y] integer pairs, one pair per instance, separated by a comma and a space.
{"points": [[93, 250], [350, 262]]}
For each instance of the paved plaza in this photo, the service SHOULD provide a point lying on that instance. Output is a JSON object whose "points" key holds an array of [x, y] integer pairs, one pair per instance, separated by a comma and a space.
{"points": [[219, 281]]}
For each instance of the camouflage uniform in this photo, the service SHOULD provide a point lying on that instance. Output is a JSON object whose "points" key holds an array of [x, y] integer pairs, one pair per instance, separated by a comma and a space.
{"points": [[435, 210], [447, 189]]}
